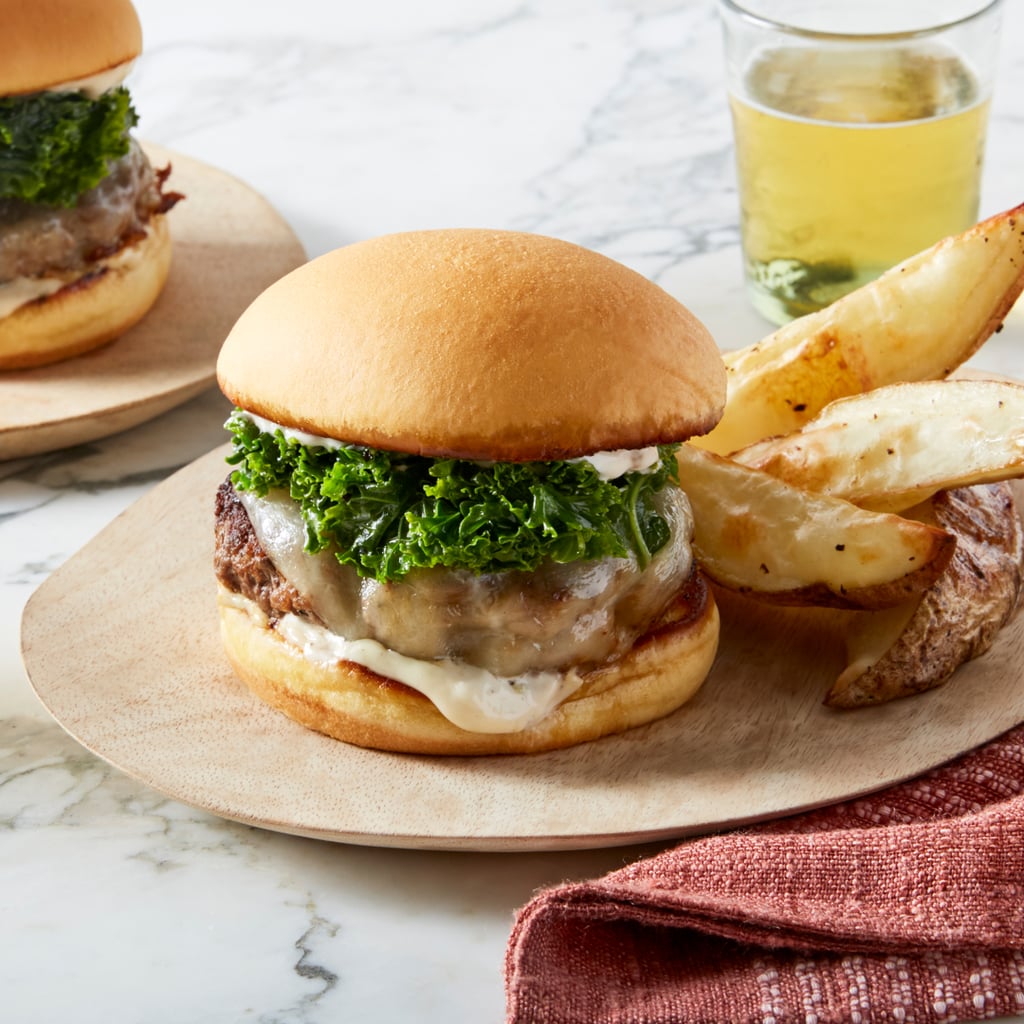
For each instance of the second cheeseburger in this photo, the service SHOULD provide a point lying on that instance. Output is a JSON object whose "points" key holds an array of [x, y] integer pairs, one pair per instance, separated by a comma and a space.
{"points": [[454, 525], [85, 247]]}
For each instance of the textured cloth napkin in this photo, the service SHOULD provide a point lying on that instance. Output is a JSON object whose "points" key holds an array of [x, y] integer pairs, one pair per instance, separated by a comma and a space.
{"points": [[907, 905]]}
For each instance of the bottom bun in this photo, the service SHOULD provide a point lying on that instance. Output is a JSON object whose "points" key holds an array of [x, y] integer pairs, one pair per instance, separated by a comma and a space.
{"points": [[345, 701], [95, 309]]}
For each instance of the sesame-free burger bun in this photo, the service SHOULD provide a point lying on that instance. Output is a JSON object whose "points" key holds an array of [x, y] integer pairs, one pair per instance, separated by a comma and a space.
{"points": [[475, 343], [92, 310], [45, 43], [348, 702]]}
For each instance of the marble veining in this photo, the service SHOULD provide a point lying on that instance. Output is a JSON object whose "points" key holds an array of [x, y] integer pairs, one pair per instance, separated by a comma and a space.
{"points": [[604, 123]]}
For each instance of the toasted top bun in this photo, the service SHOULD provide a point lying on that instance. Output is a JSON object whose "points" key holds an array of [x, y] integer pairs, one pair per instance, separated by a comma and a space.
{"points": [[477, 344], [44, 43]]}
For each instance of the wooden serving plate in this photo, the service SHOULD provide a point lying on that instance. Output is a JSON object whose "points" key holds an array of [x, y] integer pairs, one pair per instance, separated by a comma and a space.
{"points": [[229, 244], [122, 646]]}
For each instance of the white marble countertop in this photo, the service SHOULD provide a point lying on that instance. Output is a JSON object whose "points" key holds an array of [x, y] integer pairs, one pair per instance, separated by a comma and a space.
{"points": [[604, 123]]}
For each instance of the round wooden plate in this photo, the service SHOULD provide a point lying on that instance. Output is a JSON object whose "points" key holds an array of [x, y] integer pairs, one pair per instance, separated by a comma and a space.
{"points": [[122, 646], [229, 244]]}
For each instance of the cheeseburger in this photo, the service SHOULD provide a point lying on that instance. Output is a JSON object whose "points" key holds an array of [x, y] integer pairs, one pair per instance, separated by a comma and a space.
{"points": [[454, 523], [84, 246]]}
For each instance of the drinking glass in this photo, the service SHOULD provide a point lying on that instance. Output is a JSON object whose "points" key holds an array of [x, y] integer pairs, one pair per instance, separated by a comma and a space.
{"points": [[860, 131]]}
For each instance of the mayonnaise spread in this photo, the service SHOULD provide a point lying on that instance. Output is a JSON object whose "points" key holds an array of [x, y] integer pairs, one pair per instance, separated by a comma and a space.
{"points": [[15, 294], [96, 85], [609, 465], [21, 290], [471, 698]]}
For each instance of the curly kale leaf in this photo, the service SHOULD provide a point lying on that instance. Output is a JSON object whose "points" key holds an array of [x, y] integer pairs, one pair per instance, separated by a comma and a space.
{"points": [[55, 145], [388, 513]]}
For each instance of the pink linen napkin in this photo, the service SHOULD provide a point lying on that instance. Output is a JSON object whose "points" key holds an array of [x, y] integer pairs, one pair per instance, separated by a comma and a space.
{"points": [[907, 905]]}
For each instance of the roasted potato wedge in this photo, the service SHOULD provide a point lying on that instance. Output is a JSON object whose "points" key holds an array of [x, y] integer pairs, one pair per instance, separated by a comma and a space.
{"points": [[761, 536], [919, 321], [903, 651], [896, 446]]}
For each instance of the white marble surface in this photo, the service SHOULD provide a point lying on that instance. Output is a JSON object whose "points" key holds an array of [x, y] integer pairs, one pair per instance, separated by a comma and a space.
{"points": [[604, 123]]}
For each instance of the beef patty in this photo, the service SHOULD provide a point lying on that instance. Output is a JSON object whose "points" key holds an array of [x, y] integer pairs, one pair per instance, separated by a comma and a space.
{"points": [[242, 565], [38, 240], [510, 623]]}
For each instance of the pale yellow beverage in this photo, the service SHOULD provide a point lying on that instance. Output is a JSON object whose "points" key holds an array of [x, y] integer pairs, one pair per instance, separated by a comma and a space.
{"points": [[848, 162]]}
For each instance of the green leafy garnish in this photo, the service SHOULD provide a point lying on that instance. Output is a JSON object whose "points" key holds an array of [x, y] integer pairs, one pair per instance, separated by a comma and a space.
{"points": [[387, 513], [56, 145]]}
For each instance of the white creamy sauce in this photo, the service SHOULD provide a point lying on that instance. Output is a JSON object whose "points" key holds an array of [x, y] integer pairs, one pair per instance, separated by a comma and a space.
{"points": [[609, 465], [21, 290], [96, 85], [291, 434], [469, 697], [14, 294], [612, 465]]}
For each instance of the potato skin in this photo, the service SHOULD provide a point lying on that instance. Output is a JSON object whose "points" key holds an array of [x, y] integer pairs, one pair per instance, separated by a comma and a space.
{"points": [[958, 617]]}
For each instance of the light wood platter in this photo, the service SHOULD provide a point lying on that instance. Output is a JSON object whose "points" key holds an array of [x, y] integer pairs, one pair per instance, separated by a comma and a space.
{"points": [[121, 645], [229, 244]]}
